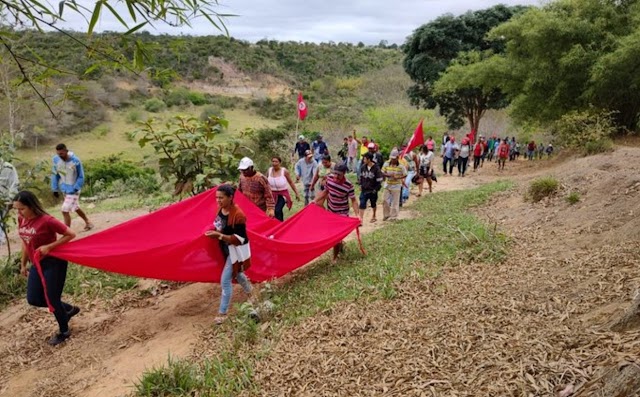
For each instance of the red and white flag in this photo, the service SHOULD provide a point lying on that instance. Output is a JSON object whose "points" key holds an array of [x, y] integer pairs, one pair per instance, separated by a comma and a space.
{"points": [[302, 107], [416, 140]]}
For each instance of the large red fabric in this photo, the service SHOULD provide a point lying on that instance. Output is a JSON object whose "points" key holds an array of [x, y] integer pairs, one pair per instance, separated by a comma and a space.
{"points": [[169, 244]]}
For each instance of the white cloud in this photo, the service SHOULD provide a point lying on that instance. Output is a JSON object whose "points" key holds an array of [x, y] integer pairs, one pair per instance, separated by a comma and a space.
{"points": [[317, 20]]}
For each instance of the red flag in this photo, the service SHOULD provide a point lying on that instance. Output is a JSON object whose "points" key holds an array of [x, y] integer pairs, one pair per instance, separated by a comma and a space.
{"points": [[302, 107], [416, 140]]}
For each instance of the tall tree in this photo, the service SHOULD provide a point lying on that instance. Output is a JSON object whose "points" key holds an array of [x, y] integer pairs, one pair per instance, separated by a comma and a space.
{"points": [[471, 85], [433, 46], [571, 55]]}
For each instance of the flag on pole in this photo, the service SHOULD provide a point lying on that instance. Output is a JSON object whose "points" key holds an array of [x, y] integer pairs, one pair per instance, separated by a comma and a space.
{"points": [[416, 140], [302, 107]]}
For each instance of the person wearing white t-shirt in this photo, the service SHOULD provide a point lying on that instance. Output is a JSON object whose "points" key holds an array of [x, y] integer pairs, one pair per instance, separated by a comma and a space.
{"points": [[425, 160]]}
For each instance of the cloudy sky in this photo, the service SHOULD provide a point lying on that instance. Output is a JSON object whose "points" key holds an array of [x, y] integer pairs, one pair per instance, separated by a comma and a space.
{"points": [[369, 21]]}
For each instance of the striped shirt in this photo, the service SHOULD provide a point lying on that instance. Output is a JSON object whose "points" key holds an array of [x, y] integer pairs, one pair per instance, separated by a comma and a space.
{"points": [[339, 194], [396, 171]]}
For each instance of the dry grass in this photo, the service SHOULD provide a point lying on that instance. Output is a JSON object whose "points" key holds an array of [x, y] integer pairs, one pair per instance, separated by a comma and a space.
{"points": [[512, 329]]}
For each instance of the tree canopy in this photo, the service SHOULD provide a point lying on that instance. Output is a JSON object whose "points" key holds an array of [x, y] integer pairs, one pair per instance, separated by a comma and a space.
{"points": [[572, 55], [432, 48]]}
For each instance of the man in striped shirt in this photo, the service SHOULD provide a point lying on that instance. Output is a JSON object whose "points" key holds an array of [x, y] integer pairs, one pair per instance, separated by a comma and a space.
{"points": [[338, 192]]}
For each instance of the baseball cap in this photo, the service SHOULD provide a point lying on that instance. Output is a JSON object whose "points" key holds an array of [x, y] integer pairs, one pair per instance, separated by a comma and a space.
{"points": [[394, 154], [245, 163], [301, 137], [308, 153], [371, 145]]}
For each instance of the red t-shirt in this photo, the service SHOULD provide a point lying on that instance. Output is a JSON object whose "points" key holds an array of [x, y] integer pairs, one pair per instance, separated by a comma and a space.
{"points": [[477, 150], [39, 231]]}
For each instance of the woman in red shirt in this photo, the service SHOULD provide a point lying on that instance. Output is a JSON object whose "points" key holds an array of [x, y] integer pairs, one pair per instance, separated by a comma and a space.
{"points": [[38, 231]]}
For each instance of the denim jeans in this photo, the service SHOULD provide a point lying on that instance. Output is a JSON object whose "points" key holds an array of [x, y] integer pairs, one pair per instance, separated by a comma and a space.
{"points": [[462, 165], [279, 211], [446, 160], [407, 182], [54, 271], [227, 287], [309, 195]]}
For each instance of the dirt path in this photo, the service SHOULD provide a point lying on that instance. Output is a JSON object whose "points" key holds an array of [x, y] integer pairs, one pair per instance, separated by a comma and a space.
{"points": [[114, 342]]}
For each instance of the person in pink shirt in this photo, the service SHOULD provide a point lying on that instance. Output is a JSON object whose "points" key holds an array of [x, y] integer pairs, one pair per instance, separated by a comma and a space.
{"points": [[430, 144]]}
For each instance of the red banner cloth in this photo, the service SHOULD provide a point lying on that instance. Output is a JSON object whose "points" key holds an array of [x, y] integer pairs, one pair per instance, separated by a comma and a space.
{"points": [[416, 140], [169, 244], [302, 107]]}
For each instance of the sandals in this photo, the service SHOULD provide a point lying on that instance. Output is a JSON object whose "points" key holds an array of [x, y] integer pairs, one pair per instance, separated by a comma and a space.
{"points": [[373, 220], [88, 227], [220, 319]]}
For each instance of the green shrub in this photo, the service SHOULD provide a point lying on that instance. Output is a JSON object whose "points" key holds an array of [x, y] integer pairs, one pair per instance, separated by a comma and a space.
{"points": [[12, 284], [178, 378], [588, 131], [197, 98], [133, 116], [211, 111], [100, 174], [154, 105], [274, 109], [599, 146], [224, 102], [182, 96], [541, 188], [101, 131], [573, 198], [226, 375]]}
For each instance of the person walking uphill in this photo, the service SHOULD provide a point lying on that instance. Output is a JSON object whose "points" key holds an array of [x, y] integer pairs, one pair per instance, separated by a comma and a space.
{"points": [[338, 191], [38, 231], [279, 178], [394, 174], [230, 229], [255, 186], [68, 178], [305, 171], [370, 182]]}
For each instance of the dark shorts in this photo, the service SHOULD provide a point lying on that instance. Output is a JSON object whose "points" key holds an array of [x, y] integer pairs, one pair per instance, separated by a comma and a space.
{"points": [[371, 196], [424, 172]]}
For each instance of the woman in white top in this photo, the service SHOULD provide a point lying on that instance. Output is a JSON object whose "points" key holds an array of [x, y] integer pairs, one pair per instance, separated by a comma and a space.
{"points": [[425, 159], [279, 182]]}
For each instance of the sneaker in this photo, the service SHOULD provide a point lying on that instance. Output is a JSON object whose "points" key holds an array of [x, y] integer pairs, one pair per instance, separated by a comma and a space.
{"points": [[74, 310], [59, 338]]}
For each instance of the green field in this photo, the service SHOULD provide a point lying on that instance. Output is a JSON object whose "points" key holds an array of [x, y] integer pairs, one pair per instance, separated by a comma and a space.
{"points": [[111, 137]]}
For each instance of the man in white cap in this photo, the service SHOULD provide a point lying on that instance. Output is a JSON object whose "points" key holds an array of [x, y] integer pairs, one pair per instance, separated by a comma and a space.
{"points": [[394, 174], [255, 186], [301, 146]]}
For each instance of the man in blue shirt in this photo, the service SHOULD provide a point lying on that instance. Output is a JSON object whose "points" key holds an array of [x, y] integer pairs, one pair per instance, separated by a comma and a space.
{"points": [[68, 178]]}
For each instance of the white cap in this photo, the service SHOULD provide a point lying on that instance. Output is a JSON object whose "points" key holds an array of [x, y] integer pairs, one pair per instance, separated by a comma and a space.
{"points": [[371, 145], [301, 137], [394, 154], [245, 163]]}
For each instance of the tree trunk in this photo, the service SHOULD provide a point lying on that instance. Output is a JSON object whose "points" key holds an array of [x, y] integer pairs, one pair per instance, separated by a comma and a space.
{"points": [[630, 319]]}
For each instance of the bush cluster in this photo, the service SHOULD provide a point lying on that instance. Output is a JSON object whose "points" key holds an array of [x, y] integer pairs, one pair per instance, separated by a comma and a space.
{"points": [[116, 176]]}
